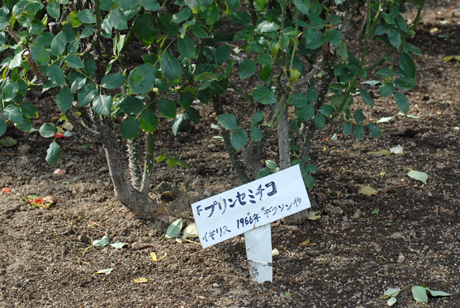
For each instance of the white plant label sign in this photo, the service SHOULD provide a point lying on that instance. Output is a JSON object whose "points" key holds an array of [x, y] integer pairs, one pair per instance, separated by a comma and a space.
{"points": [[249, 206]]}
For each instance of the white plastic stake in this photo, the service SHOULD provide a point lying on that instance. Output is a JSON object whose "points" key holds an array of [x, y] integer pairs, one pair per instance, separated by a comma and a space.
{"points": [[259, 253]]}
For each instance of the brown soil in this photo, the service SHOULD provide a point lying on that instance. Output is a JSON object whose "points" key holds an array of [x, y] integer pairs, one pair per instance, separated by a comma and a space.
{"points": [[409, 233]]}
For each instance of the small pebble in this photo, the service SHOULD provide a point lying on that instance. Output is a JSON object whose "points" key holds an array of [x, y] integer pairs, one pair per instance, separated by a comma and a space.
{"points": [[401, 258], [136, 246]]}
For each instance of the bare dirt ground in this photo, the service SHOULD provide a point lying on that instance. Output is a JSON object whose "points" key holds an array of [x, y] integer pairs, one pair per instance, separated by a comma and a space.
{"points": [[409, 233]]}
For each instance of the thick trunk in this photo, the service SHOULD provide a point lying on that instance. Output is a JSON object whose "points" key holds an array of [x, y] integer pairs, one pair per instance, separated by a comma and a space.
{"points": [[141, 205]]}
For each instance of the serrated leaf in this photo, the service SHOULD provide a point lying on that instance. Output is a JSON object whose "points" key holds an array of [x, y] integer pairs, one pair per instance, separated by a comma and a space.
{"points": [[174, 229], [358, 115], [167, 108], [47, 130], [257, 117], [367, 191], [104, 241], [86, 95], [419, 294], [417, 175], [366, 97], [403, 102], [102, 104], [130, 128], [228, 121], [142, 78], [264, 95], [255, 133], [132, 105], [13, 113], [118, 19], [394, 37], [247, 69], [186, 47], [271, 164], [347, 128], [177, 123], [170, 67], [149, 121], [64, 99], [407, 65], [334, 37], [374, 130], [112, 81], [222, 54], [358, 132], [53, 153], [74, 62], [239, 138], [191, 231]]}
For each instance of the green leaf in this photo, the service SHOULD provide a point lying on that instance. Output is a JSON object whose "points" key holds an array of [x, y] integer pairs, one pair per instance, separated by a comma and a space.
{"points": [[407, 47], [407, 65], [73, 20], [257, 117], [112, 81], [417, 175], [170, 67], [387, 89], [2, 127], [10, 91], [308, 180], [151, 5], [264, 172], [359, 116], [392, 292], [314, 39], [192, 115], [174, 229], [74, 62], [102, 104], [177, 123], [37, 27], [28, 110], [104, 241], [87, 16], [222, 54], [267, 26], [186, 100], [305, 113], [403, 102], [118, 19], [200, 33], [366, 97], [183, 15], [266, 72], [132, 105], [358, 131], [247, 69], [239, 138], [39, 54], [90, 65], [130, 128], [54, 9], [167, 108], [438, 293], [271, 164], [11, 112], [334, 19], [87, 32], [228, 121], [302, 7], [312, 94], [127, 4], [167, 26], [64, 99], [142, 78], [77, 84], [419, 293], [334, 37], [186, 47], [255, 133], [326, 110], [48, 130], [149, 121], [86, 95], [56, 74], [374, 130], [53, 153], [394, 37], [172, 162], [386, 72], [405, 83], [264, 95], [145, 30], [319, 121], [241, 17]]}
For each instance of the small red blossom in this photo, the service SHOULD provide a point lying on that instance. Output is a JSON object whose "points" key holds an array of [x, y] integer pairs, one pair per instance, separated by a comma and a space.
{"points": [[5, 190], [58, 136], [38, 200]]}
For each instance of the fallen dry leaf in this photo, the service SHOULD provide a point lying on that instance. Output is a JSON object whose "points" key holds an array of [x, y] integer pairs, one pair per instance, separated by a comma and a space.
{"points": [[303, 244], [314, 215], [49, 199], [140, 280], [379, 153], [275, 252], [368, 191], [154, 257]]}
